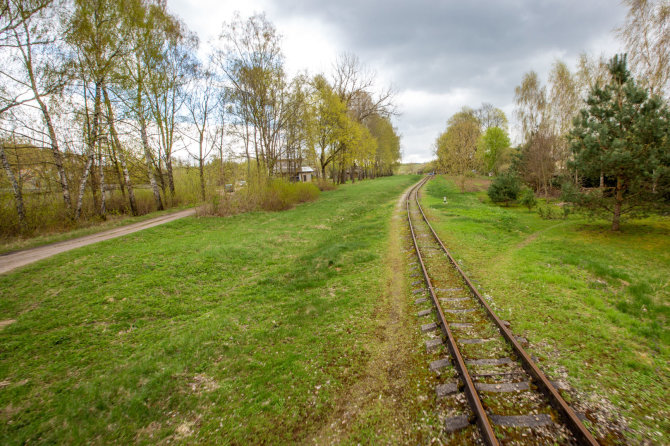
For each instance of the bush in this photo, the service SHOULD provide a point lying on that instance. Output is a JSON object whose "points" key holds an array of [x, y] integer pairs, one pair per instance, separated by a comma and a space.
{"points": [[307, 192], [279, 195], [504, 188], [552, 213], [324, 184], [527, 198]]}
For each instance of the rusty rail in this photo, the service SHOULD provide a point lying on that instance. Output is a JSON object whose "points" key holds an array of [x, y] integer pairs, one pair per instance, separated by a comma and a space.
{"points": [[565, 411], [470, 391]]}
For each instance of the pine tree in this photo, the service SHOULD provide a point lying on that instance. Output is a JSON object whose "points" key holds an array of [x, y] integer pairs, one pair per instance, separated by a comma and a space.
{"points": [[623, 133]]}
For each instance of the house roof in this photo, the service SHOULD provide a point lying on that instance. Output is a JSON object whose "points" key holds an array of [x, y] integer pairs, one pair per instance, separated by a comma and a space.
{"points": [[306, 169]]}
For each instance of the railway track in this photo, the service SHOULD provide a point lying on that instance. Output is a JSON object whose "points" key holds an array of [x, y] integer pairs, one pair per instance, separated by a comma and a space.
{"points": [[491, 391]]}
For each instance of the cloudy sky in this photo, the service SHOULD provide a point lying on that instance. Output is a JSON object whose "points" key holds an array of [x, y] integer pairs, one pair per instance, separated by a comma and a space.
{"points": [[437, 55]]}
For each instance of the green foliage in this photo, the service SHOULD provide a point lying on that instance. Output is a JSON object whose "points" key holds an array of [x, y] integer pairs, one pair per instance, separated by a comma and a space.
{"points": [[527, 198], [504, 188], [457, 146], [550, 212], [387, 155], [339, 141], [492, 148], [623, 134]]}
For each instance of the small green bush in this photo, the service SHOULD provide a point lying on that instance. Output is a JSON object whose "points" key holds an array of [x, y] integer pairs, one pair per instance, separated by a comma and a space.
{"points": [[307, 192], [527, 198], [504, 188], [553, 213]]}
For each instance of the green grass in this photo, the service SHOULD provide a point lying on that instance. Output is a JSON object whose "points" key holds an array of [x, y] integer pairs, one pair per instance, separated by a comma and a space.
{"points": [[592, 302], [238, 330]]}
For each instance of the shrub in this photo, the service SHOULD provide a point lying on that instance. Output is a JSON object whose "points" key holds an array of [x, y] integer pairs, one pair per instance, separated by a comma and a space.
{"points": [[324, 184], [504, 188], [553, 213], [307, 192], [527, 198]]}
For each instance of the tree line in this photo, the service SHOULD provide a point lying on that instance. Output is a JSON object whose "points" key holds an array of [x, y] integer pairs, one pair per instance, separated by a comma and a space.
{"points": [[599, 135], [98, 96]]}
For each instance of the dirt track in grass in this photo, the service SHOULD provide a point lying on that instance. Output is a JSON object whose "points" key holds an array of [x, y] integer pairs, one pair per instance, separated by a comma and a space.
{"points": [[17, 259], [389, 403]]}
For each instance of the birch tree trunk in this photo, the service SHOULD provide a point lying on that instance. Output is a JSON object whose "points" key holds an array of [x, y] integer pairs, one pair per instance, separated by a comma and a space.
{"points": [[103, 198], [122, 156], [145, 141], [26, 53], [168, 166], [150, 170], [91, 149], [201, 163], [18, 195], [117, 169]]}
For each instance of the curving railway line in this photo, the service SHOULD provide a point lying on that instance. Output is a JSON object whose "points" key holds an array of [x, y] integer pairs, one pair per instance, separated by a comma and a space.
{"points": [[491, 391]]}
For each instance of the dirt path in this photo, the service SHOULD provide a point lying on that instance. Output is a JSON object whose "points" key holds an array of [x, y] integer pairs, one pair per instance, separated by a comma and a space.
{"points": [[14, 260]]}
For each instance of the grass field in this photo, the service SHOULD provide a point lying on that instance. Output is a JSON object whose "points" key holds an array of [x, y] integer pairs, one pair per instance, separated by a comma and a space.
{"points": [[592, 303], [257, 328]]}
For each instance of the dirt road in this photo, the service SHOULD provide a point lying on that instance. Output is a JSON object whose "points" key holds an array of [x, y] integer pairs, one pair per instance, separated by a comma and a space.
{"points": [[14, 260]]}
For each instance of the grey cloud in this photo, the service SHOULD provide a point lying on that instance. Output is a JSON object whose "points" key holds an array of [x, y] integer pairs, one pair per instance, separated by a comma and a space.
{"points": [[437, 45], [483, 47]]}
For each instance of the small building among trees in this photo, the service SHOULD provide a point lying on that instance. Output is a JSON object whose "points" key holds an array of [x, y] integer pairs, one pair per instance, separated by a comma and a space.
{"points": [[294, 171], [305, 174]]}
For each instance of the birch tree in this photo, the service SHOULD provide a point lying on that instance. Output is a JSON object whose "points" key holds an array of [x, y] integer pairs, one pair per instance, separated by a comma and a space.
{"points": [[97, 35], [646, 35], [564, 104], [202, 103], [145, 22], [166, 87], [250, 56], [28, 32], [537, 156], [15, 91]]}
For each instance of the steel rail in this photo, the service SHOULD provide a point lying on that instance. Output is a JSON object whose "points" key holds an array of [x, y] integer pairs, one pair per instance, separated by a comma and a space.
{"points": [[565, 411], [470, 392]]}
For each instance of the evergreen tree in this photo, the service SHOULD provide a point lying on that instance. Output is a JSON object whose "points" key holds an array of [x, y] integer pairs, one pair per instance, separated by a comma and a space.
{"points": [[624, 134], [504, 188]]}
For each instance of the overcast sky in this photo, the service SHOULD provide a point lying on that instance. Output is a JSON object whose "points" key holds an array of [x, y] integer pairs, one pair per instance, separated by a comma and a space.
{"points": [[438, 55]]}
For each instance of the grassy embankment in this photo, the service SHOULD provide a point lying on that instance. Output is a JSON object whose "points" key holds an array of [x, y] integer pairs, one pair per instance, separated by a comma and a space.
{"points": [[591, 302], [10, 244], [260, 327]]}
